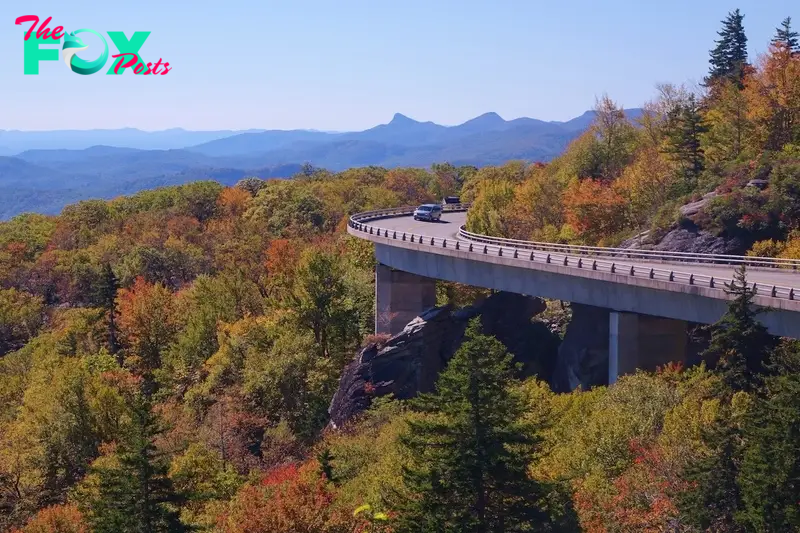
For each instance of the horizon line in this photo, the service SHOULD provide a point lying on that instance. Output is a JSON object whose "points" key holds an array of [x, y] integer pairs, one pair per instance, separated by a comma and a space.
{"points": [[330, 132]]}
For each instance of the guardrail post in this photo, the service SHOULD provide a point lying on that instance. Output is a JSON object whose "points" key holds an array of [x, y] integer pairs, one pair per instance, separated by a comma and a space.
{"points": [[791, 294], [394, 235], [444, 243], [457, 246], [412, 237], [404, 236], [370, 230]]}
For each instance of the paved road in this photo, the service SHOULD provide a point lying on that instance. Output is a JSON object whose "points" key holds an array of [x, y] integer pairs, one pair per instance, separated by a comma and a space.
{"points": [[450, 223]]}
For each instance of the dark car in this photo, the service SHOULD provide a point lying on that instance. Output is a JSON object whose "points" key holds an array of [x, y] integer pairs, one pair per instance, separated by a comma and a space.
{"points": [[430, 212]]}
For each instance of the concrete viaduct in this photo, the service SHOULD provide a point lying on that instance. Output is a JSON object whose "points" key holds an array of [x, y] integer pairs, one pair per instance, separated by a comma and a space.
{"points": [[651, 295]]}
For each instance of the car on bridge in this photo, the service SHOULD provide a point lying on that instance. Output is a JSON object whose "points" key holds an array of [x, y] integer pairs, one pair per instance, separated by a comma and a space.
{"points": [[430, 212]]}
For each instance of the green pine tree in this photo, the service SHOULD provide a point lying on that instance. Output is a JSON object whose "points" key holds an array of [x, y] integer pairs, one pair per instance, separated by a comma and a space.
{"points": [[769, 478], [729, 58], [325, 458], [739, 342], [106, 296], [470, 454], [743, 348], [714, 499], [785, 36], [684, 141], [135, 496]]}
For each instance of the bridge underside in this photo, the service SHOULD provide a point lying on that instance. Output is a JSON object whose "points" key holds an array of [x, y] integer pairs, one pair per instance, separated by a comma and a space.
{"points": [[647, 327], [690, 304], [400, 297], [643, 342]]}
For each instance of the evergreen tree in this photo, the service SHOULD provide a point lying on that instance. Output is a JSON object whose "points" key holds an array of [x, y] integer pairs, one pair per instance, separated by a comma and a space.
{"points": [[325, 458], [769, 479], [684, 141], [784, 36], [729, 58], [743, 348], [106, 295], [470, 454], [714, 499], [739, 341], [135, 496]]}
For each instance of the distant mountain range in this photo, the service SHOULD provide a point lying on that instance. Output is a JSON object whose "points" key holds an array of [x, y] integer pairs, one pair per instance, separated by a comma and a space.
{"points": [[43, 171]]}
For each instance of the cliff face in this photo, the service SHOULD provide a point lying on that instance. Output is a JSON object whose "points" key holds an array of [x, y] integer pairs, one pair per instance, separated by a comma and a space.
{"points": [[409, 363], [687, 239], [689, 236], [583, 355]]}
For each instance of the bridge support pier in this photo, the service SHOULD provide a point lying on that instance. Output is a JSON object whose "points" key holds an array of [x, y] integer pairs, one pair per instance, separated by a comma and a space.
{"points": [[643, 342], [400, 297]]}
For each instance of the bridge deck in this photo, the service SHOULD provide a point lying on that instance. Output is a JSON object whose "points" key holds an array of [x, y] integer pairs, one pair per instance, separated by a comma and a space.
{"points": [[448, 228]]}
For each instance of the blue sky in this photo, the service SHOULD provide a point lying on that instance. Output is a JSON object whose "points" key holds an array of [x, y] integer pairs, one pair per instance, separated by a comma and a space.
{"points": [[351, 64]]}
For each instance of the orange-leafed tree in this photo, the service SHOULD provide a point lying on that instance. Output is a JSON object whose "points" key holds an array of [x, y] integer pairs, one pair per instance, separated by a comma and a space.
{"points": [[594, 210], [233, 202], [147, 322], [282, 258], [646, 185], [642, 498], [290, 498], [56, 519], [773, 94], [411, 185]]}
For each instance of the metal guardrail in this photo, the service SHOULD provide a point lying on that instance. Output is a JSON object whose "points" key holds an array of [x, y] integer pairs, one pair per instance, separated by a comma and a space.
{"points": [[583, 257]]}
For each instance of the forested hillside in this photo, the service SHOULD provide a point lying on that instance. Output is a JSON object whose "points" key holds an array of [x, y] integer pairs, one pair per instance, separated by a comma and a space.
{"points": [[167, 359], [723, 159]]}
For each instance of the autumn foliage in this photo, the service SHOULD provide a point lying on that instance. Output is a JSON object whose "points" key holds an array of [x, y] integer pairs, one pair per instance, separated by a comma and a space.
{"points": [[56, 519], [294, 498]]}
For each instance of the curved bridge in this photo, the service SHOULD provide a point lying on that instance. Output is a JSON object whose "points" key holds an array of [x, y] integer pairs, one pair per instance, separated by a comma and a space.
{"points": [[640, 288]]}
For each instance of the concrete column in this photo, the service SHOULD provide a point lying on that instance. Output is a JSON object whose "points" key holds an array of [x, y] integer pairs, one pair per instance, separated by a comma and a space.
{"points": [[643, 342], [400, 297], [623, 344], [661, 341]]}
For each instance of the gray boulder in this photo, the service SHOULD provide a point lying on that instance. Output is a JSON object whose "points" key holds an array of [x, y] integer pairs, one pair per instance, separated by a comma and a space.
{"points": [[410, 362]]}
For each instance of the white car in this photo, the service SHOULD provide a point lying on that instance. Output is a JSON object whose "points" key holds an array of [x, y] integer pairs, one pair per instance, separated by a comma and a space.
{"points": [[430, 212]]}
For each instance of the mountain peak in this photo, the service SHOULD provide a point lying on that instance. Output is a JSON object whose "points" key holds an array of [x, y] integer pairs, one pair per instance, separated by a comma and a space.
{"points": [[399, 118], [487, 119]]}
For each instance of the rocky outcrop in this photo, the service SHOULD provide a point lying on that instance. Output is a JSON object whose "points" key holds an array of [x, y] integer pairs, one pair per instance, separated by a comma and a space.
{"points": [[583, 355], [694, 208], [410, 362], [687, 238]]}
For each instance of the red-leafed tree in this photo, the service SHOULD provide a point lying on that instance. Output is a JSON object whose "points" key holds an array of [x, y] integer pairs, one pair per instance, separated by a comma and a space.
{"points": [[146, 322], [290, 498], [594, 210]]}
